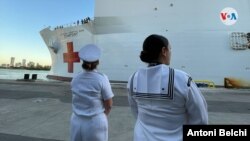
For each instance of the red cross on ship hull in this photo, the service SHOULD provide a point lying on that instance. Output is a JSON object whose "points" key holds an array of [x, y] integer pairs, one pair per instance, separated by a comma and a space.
{"points": [[70, 57]]}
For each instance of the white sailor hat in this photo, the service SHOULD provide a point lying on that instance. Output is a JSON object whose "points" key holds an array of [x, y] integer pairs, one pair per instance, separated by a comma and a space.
{"points": [[90, 53]]}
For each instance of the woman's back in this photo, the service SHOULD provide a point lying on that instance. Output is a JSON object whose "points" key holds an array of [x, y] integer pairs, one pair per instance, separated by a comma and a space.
{"points": [[161, 95], [87, 93]]}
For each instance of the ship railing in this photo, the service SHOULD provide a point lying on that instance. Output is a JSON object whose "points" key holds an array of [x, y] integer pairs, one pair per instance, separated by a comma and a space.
{"points": [[76, 23], [240, 40]]}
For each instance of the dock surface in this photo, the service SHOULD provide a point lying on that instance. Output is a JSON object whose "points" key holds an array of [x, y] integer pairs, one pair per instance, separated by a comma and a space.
{"points": [[41, 110]]}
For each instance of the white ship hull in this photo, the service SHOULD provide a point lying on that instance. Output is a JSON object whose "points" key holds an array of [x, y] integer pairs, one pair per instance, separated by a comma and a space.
{"points": [[202, 45]]}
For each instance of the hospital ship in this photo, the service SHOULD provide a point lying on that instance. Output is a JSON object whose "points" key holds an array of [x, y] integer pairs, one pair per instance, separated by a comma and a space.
{"points": [[210, 39]]}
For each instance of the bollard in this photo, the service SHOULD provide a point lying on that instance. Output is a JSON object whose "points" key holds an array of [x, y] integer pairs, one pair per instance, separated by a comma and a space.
{"points": [[26, 76], [34, 76]]}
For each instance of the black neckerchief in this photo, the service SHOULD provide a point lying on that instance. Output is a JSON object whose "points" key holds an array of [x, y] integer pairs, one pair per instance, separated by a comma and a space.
{"points": [[154, 64]]}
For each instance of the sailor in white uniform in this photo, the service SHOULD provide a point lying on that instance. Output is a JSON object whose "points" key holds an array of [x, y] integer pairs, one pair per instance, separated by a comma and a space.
{"points": [[91, 99], [163, 99]]}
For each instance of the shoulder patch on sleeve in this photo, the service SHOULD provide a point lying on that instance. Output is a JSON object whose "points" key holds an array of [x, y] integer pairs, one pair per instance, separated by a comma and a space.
{"points": [[131, 87], [189, 81]]}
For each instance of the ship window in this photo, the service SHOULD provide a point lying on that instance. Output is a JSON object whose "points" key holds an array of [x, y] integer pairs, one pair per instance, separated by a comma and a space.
{"points": [[239, 40]]}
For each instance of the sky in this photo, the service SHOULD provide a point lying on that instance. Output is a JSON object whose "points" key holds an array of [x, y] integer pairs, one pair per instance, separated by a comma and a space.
{"points": [[22, 20]]}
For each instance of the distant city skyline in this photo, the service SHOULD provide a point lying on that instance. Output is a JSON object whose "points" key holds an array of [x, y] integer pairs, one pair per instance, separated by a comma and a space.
{"points": [[21, 63], [22, 20]]}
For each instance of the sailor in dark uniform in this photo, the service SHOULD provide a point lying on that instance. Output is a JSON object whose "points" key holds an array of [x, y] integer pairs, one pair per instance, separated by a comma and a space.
{"points": [[163, 99], [92, 99]]}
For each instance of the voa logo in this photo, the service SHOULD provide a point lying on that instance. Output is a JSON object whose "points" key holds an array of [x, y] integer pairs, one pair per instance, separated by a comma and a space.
{"points": [[229, 16]]}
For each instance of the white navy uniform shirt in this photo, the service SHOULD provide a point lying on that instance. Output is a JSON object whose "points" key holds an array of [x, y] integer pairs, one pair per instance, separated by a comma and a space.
{"points": [[89, 89], [162, 102]]}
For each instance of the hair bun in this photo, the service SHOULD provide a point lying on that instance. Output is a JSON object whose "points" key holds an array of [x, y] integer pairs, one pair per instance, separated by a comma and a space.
{"points": [[145, 56]]}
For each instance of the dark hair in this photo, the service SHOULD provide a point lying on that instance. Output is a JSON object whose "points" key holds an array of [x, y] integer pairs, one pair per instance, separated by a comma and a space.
{"points": [[152, 47], [89, 66], [248, 36]]}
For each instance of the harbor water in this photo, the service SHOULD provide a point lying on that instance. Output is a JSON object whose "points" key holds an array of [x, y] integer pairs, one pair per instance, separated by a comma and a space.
{"points": [[14, 74]]}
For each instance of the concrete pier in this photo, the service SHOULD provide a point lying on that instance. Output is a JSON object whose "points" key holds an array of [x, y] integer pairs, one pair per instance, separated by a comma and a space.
{"points": [[40, 110]]}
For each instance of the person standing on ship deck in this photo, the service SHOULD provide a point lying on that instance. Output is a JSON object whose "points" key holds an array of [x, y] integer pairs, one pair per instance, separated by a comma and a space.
{"points": [[91, 99], [161, 98]]}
